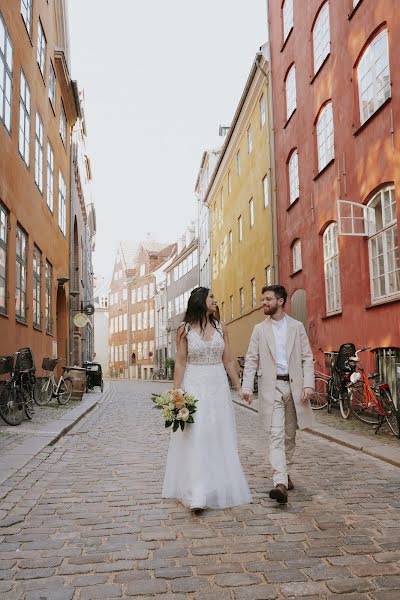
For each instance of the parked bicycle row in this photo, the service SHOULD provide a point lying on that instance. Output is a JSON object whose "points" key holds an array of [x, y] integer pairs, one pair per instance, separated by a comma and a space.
{"points": [[23, 389], [355, 392]]}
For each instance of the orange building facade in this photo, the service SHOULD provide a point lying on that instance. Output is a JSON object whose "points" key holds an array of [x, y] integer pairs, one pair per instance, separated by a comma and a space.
{"points": [[38, 108]]}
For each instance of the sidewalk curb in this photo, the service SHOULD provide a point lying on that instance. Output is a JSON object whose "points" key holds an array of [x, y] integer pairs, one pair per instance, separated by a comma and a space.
{"points": [[19, 456], [383, 452]]}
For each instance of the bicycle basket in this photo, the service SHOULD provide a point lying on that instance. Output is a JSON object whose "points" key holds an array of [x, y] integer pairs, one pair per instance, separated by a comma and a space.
{"points": [[345, 351], [24, 361], [6, 364], [49, 364]]}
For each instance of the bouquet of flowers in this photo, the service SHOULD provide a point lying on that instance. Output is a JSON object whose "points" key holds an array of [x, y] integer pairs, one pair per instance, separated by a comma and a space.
{"points": [[178, 408]]}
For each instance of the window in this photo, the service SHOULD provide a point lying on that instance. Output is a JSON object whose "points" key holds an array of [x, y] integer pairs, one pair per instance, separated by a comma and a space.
{"points": [[145, 320], [37, 260], [139, 350], [26, 12], [133, 295], [151, 314], [3, 258], [139, 294], [133, 321], [41, 49], [39, 153], [48, 298], [195, 258], [145, 350], [240, 228], [331, 269], [265, 191], [373, 76], [125, 327], [120, 322], [139, 321], [190, 262], [62, 204], [231, 306], [296, 253], [230, 242], [6, 75], [249, 140], [52, 86], [223, 311], [20, 287], [222, 201], [251, 212], [290, 88], [253, 293], [169, 309], [24, 118], [238, 163], [145, 292], [383, 247], [262, 111], [50, 176], [268, 277], [294, 176], [142, 270], [325, 137], [151, 290], [321, 37], [287, 11], [241, 300], [229, 183], [63, 125]]}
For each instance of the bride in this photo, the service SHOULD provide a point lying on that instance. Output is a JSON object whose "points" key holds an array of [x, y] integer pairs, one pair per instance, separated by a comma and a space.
{"points": [[203, 467]]}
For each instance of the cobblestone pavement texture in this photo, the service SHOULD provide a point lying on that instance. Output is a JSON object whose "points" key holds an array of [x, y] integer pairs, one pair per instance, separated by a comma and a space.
{"points": [[84, 519]]}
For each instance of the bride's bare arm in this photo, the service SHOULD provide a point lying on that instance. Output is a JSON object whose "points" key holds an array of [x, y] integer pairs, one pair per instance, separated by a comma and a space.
{"points": [[229, 363], [180, 357]]}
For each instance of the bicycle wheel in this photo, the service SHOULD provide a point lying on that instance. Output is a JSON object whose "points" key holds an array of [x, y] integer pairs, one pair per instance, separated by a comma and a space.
{"points": [[367, 413], [344, 405], [29, 404], [319, 399], [43, 391], [333, 394], [12, 405], [65, 391], [392, 415]]}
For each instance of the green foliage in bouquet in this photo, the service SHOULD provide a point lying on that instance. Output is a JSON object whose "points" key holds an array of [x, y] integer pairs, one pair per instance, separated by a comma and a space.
{"points": [[178, 408]]}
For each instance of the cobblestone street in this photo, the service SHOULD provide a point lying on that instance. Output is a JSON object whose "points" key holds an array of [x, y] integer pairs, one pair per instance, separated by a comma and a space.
{"points": [[84, 519]]}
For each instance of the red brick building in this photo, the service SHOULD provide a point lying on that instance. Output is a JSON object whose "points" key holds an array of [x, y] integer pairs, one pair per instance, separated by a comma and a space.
{"points": [[336, 100], [38, 107]]}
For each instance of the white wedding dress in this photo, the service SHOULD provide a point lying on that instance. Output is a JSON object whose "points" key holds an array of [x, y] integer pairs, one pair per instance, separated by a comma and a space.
{"points": [[203, 466]]}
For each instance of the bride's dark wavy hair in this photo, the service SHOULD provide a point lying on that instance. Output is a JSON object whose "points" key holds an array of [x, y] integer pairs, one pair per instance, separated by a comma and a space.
{"points": [[196, 311]]}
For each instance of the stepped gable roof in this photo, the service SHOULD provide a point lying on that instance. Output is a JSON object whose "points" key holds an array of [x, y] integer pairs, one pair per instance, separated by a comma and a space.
{"points": [[129, 250]]}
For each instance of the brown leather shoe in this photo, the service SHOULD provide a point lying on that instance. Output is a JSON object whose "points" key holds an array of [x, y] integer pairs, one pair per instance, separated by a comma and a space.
{"points": [[279, 493], [290, 485]]}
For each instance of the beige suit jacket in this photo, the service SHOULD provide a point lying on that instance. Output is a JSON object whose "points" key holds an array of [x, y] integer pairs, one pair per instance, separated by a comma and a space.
{"points": [[261, 359]]}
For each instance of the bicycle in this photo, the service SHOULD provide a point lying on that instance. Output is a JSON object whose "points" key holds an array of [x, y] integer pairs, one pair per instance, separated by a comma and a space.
{"points": [[158, 374], [16, 396], [48, 388], [331, 390], [372, 404]]}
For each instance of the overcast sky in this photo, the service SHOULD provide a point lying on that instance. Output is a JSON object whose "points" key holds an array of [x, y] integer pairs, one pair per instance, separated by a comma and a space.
{"points": [[159, 76]]}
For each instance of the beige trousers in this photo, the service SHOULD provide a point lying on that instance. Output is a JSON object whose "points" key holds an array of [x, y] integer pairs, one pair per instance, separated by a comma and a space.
{"points": [[283, 433]]}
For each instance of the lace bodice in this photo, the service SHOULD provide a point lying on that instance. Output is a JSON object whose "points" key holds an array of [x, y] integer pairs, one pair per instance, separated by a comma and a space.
{"points": [[204, 352]]}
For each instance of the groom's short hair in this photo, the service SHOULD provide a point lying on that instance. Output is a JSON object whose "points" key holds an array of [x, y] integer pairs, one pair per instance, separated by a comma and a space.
{"points": [[279, 291]]}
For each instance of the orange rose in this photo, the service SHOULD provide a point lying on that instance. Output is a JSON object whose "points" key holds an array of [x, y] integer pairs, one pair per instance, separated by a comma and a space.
{"points": [[178, 399]]}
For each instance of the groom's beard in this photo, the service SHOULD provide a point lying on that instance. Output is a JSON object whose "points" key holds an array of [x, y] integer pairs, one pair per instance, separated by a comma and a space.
{"points": [[270, 311]]}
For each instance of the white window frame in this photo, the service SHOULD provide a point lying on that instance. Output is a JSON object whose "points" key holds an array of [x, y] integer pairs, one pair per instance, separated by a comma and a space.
{"points": [[41, 49], [321, 37], [293, 168], [249, 140], [241, 300], [383, 246], [62, 204], [290, 90], [52, 86], [36, 286], [39, 153], [374, 67], [3, 257], [50, 177], [48, 296], [6, 58], [240, 228], [26, 12], [325, 136], [265, 191], [24, 119], [268, 275], [238, 163], [21, 258], [287, 17], [251, 212], [330, 244], [63, 125], [253, 293], [355, 218], [296, 254]]}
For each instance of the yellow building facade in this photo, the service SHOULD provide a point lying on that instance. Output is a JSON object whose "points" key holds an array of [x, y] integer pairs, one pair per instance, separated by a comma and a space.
{"points": [[239, 198]]}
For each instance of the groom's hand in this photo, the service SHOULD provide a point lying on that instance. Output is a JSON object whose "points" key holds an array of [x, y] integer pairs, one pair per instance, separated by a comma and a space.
{"points": [[307, 393], [247, 397]]}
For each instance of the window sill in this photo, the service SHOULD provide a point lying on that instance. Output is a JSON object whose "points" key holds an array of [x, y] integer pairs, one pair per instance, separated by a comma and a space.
{"points": [[378, 110], [21, 321], [383, 302], [331, 315], [3, 314], [41, 74], [313, 78], [37, 328], [295, 201], [355, 9], [5, 127], [296, 272], [328, 164], [289, 119], [287, 39]]}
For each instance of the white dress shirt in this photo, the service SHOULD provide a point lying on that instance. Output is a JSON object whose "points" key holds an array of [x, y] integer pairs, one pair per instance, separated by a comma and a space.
{"points": [[280, 334]]}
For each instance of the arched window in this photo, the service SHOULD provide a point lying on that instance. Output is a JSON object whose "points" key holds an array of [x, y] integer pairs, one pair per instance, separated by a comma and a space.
{"points": [[294, 176], [325, 138], [287, 13], [290, 87], [383, 247], [373, 76], [332, 269], [296, 254], [321, 37]]}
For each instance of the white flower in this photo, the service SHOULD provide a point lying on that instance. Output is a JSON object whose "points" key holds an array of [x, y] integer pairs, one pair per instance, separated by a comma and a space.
{"points": [[183, 414]]}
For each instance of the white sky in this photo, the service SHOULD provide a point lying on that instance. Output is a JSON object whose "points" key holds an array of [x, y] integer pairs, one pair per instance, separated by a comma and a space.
{"points": [[159, 76]]}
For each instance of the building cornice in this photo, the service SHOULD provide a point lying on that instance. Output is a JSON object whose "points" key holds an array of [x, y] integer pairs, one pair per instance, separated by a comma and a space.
{"points": [[69, 96]]}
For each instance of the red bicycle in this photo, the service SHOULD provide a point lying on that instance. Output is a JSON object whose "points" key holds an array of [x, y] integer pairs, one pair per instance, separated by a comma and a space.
{"points": [[372, 403]]}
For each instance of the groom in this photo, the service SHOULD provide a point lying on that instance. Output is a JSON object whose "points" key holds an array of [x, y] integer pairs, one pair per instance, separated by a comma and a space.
{"points": [[280, 353]]}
